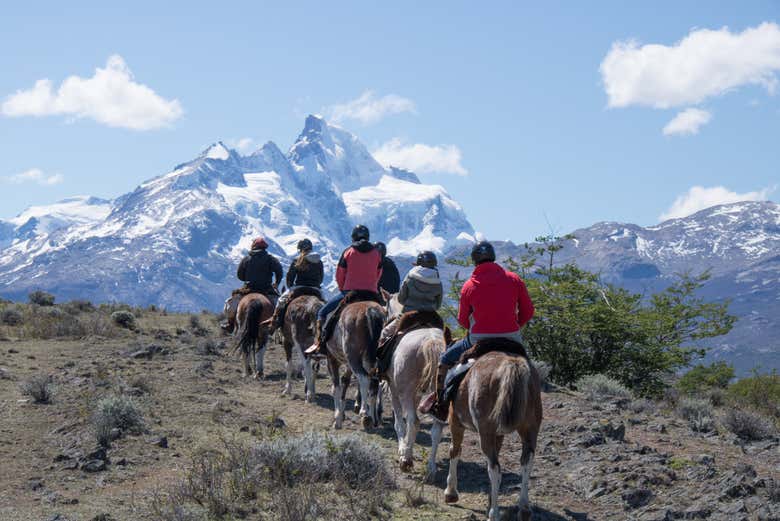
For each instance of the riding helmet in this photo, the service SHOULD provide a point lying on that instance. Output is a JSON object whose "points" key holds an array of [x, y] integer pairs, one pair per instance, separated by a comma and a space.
{"points": [[483, 252], [382, 247], [360, 232], [259, 243], [305, 245], [426, 259]]}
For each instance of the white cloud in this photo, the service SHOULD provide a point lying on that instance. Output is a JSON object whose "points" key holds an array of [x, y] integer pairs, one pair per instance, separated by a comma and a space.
{"points": [[244, 145], [704, 64], [421, 158], [110, 97], [368, 108], [687, 123], [36, 175], [699, 198]]}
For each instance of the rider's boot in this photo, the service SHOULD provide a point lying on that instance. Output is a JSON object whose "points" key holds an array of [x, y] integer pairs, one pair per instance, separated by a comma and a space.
{"points": [[315, 348], [435, 402]]}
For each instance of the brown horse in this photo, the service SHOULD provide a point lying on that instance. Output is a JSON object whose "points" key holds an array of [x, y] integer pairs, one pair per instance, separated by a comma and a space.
{"points": [[354, 343], [298, 332], [500, 394], [253, 309]]}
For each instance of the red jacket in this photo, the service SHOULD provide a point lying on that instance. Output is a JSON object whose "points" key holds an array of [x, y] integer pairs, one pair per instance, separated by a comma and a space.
{"points": [[360, 267], [494, 300]]}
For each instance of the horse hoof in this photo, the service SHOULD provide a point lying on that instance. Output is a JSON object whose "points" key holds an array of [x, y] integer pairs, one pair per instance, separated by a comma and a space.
{"points": [[259, 376], [356, 408], [406, 465], [367, 422], [526, 514], [337, 425], [451, 498]]}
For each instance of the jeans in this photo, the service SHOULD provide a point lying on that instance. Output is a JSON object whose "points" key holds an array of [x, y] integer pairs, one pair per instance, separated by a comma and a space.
{"points": [[451, 356], [330, 306]]}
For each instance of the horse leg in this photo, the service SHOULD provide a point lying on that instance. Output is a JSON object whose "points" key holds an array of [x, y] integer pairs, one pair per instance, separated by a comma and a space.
{"points": [[412, 425], [490, 444], [365, 412], [398, 422], [436, 432], [262, 342], [288, 351], [526, 464], [346, 378], [358, 401], [338, 407], [308, 379], [457, 430]]}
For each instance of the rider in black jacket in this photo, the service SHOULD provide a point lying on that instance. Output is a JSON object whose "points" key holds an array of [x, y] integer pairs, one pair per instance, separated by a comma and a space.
{"points": [[259, 268], [390, 280]]}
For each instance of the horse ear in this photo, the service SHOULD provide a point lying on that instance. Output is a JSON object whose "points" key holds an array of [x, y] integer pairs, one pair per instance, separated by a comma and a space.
{"points": [[447, 335], [385, 295]]}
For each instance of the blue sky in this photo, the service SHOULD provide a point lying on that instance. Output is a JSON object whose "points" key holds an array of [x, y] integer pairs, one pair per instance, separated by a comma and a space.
{"points": [[513, 94]]}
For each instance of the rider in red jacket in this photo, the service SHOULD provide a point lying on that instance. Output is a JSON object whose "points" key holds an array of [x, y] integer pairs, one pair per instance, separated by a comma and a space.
{"points": [[359, 268], [494, 303]]}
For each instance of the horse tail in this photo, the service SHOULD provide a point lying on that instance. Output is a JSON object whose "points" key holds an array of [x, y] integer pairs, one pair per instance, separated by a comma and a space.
{"points": [[250, 334], [513, 376], [376, 321], [431, 349]]}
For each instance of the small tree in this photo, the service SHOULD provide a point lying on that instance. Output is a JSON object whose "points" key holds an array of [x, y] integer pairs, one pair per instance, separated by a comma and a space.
{"points": [[41, 298], [703, 378]]}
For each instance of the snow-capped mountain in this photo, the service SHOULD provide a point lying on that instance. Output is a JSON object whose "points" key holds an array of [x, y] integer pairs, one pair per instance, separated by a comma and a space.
{"points": [[177, 238]]}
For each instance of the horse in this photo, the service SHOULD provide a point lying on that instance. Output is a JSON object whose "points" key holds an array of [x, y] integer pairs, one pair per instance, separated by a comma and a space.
{"points": [[412, 372], [500, 394], [253, 309], [353, 343], [298, 331]]}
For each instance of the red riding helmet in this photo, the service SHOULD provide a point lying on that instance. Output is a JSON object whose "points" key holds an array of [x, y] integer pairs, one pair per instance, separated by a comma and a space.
{"points": [[259, 243]]}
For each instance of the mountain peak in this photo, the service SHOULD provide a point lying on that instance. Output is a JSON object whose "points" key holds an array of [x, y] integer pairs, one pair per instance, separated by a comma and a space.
{"points": [[216, 151]]}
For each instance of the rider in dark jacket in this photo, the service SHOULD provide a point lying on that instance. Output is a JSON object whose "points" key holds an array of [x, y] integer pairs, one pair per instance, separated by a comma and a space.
{"points": [[305, 270], [390, 280], [259, 268]]}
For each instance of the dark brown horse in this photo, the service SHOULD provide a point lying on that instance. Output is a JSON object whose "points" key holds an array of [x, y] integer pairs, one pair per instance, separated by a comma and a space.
{"points": [[253, 309], [500, 394], [354, 343], [298, 331]]}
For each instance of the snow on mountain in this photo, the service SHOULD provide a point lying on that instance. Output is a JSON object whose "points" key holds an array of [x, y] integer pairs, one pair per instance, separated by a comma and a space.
{"points": [[176, 239]]}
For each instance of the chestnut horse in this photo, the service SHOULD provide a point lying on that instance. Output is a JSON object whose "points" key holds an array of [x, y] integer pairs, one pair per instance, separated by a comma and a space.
{"points": [[500, 394], [298, 332], [253, 309], [354, 343]]}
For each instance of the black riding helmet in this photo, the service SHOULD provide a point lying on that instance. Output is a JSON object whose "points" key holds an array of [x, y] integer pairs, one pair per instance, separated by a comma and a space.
{"points": [[483, 252], [382, 247], [305, 245], [426, 259], [360, 232]]}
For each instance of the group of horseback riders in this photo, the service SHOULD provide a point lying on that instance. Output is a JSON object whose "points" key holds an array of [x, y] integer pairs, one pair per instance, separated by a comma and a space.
{"points": [[494, 302]]}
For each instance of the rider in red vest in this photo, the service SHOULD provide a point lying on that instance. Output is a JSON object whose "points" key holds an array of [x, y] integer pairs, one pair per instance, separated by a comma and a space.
{"points": [[359, 269], [494, 303]]}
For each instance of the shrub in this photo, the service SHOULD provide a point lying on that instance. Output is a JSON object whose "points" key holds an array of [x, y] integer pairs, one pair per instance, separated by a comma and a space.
{"points": [[74, 307], [642, 405], [48, 323], [705, 377], [543, 368], [759, 391], [41, 298], [208, 346], [313, 476], [748, 425], [598, 387], [123, 319], [698, 413], [716, 396], [11, 317], [39, 388], [197, 327], [116, 412], [99, 324]]}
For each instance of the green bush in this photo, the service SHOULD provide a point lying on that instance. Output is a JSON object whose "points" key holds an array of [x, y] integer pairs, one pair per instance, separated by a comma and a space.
{"points": [[116, 412], [11, 317], [760, 392], [748, 425], [597, 387], [41, 298], [123, 319], [39, 388], [702, 378], [698, 413]]}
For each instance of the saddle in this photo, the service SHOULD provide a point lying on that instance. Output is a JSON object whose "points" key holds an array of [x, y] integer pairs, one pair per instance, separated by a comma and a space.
{"points": [[304, 291], [350, 298], [244, 291], [407, 322], [300, 291], [488, 345]]}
